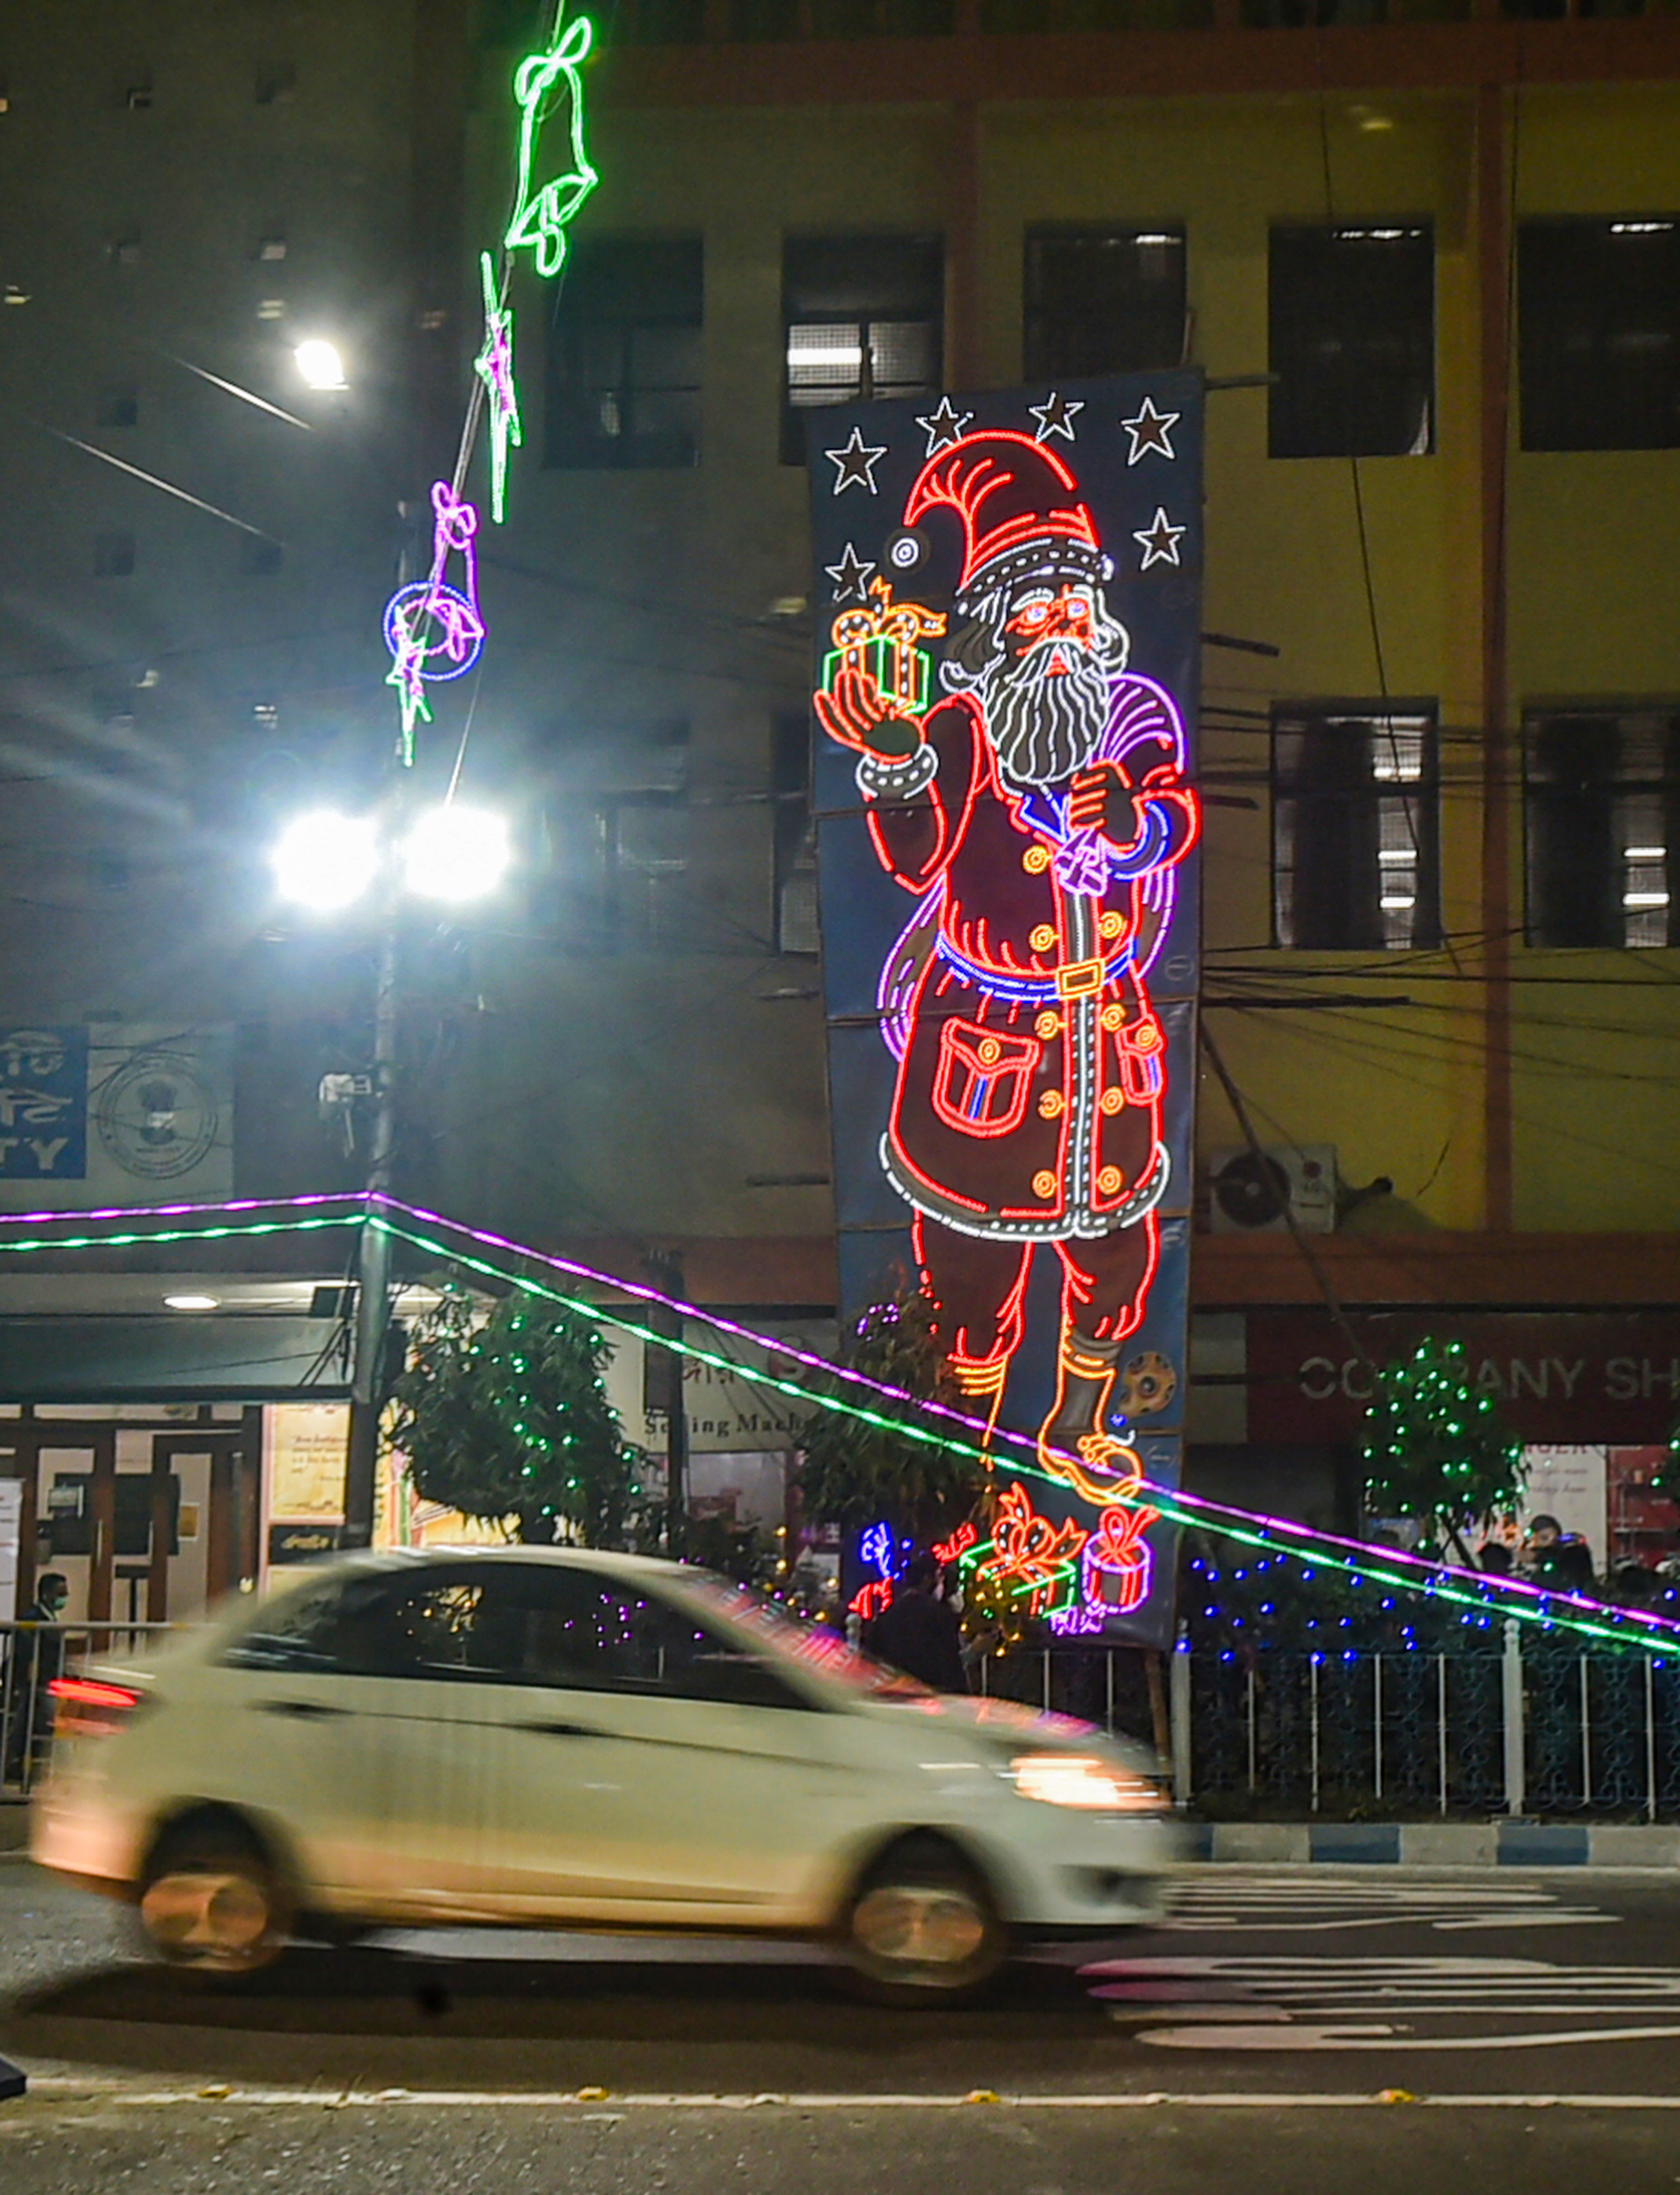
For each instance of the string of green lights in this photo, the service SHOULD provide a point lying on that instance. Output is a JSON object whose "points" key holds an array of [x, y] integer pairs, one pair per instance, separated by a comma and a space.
{"points": [[1273, 1536]]}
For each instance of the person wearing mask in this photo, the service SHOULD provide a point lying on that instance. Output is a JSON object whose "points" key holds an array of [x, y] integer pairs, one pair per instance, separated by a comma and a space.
{"points": [[37, 1657], [918, 1632]]}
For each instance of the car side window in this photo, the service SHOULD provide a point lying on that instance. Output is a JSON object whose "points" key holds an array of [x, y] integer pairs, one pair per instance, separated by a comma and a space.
{"points": [[426, 1625], [583, 1631], [293, 1632]]}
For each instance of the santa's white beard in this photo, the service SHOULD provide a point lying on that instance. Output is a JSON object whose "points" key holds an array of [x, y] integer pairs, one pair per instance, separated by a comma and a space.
{"points": [[1046, 727]]}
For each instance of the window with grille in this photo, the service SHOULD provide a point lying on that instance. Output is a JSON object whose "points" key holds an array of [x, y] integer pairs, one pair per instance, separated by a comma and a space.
{"points": [[1354, 798], [1352, 335], [1602, 796], [1102, 301], [624, 364], [1598, 333], [865, 318]]}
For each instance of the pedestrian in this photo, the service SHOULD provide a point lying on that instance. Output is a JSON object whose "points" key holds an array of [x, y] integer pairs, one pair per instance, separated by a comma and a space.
{"points": [[37, 1659], [918, 1632], [1559, 1559]]}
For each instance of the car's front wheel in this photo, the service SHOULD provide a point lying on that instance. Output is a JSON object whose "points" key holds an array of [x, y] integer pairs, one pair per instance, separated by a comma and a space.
{"points": [[922, 1926], [213, 1901]]}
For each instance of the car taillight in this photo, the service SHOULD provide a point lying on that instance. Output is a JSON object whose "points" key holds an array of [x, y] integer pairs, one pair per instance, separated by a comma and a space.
{"points": [[84, 1707]]}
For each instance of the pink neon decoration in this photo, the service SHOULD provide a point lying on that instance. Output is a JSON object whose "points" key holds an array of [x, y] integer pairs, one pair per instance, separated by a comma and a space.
{"points": [[1115, 1567], [435, 631]]}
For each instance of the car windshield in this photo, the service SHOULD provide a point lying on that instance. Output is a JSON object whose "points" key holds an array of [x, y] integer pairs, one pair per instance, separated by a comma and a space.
{"points": [[814, 1644]]}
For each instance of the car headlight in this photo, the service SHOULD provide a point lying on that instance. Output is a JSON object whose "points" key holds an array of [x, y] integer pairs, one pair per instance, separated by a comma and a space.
{"points": [[1077, 1779]]}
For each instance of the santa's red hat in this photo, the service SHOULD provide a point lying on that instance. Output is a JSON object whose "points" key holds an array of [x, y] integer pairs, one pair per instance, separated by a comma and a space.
{"points": [[1020, 507]]}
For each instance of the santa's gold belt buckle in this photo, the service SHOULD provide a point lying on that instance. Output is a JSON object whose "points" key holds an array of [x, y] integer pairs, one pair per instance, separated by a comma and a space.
{"points": [[1078, 979]]}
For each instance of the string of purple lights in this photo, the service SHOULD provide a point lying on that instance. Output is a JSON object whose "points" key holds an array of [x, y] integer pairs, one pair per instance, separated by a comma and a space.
{"points": [[1415, 1572]]}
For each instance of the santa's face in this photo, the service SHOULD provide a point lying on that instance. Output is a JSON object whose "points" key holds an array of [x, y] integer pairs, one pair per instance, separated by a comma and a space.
{"points": [[1047, 693]]}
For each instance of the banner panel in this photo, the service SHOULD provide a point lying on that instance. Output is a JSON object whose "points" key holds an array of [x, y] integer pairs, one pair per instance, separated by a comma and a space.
{"points": [[1008, 592]]}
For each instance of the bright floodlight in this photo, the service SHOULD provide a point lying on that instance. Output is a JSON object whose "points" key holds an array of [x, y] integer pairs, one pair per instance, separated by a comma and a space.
{"points": [[320, 363], [456, 853], [324, 860]]}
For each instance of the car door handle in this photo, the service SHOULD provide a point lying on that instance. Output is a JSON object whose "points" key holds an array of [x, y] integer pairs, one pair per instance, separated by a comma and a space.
{"points": [[301, 1710], [561, 1730]]}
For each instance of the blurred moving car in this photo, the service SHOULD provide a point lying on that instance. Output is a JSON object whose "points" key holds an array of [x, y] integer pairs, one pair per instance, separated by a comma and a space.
{"points": [[537, 1735]]}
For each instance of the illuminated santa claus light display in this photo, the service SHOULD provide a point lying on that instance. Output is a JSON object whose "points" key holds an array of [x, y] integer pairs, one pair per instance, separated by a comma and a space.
{"points": [[1009, 637]]}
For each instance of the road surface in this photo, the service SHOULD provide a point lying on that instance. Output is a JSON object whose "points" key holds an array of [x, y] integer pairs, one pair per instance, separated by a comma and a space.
{"points": [[1310, 2030]]}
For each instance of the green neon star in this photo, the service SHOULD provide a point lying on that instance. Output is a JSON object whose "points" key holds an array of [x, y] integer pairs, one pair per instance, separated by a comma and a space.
{"points": [[494, 366]]}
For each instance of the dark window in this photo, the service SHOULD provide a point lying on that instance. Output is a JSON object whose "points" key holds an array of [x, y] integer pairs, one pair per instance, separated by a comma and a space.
{"points": [[865, 317], [1353, 828], [641, 843], [1602, 803], [1598, 312], [118, 406], [260, 559], [624, 380], [666, 22], [763, 19], [796, 837], [1352, 319], [1102, 301], [113, 555]]}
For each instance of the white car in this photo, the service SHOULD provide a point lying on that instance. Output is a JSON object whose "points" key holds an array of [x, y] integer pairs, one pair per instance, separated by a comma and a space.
{"points": [[546, 1736]]}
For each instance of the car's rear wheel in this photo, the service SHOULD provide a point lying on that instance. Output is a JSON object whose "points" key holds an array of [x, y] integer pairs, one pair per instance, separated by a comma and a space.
{"points": [[214, 1902], [922, 1928]]}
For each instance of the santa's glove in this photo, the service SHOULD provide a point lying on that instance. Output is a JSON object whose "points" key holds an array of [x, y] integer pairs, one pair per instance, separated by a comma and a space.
{"points": [[892, 761], [1100, 800]]}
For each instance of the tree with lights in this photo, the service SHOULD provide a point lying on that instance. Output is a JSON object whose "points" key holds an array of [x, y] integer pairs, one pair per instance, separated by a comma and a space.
{"points": [[855, 1470], [507, 1418], [1436, 1448]]}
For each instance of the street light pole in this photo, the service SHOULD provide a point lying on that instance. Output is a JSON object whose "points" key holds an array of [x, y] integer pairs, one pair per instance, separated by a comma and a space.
{"points": [[373, 1261]]}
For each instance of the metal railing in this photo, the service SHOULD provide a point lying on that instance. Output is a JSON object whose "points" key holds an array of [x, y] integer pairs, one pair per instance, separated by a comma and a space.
{"points": [[31, 1656], [1519, 1726]]}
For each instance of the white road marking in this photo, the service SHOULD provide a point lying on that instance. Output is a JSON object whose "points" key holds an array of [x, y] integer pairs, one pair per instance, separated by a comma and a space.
{"points": [[1307, 1905], [589, 2102], [1351, 2004]]}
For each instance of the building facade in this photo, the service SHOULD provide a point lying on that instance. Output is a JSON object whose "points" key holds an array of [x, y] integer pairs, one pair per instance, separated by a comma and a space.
{"points": [[1428, 266]]}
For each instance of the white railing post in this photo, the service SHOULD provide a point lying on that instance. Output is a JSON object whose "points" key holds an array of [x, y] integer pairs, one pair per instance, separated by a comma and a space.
{"points": [[1178, 1710], [1515, 1748]]}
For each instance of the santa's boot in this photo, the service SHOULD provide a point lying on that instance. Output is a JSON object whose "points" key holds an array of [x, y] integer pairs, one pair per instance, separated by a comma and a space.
{"points": [[1075, 1442], [981, 1382]]}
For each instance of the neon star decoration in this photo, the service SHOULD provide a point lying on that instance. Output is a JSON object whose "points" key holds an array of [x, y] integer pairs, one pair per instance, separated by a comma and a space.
{"points": [[1150, 431], [849, 574], [494, 366], [1160, 540], [543, 211], [943, 425], [434, 631], [855, 463], [1054, 416]]}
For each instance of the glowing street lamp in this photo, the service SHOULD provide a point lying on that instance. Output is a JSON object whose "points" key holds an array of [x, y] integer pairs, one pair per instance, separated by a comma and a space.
{"points": [[321, 363], [456, 853], [325, 861]]}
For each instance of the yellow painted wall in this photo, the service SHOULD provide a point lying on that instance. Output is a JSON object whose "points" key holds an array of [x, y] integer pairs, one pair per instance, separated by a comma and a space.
{"points": [[1595, 549]]}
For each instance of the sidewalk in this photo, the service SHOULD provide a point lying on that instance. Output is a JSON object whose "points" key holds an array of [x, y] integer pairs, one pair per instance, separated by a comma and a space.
{"points": [[1501, 1843]]}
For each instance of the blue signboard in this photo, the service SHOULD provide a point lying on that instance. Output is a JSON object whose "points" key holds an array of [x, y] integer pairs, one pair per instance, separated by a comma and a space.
{"points": [[44, 1103]]}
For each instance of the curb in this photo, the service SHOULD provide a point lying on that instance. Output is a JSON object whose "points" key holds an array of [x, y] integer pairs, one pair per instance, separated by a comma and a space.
{"points": [[1435, 1844]]}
